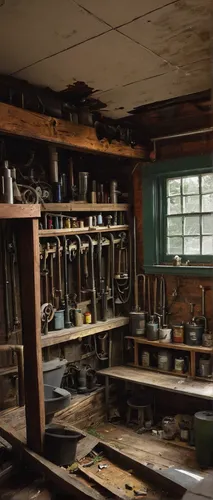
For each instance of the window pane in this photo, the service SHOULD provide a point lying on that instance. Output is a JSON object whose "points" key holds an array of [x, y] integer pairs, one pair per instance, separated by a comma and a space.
{"points": [[207, 203], [191, 185], [192, 225], [192, 245], [207, 245], [207, 183], [174, 246], [207, 224], [173, 187], [191, 204], [174, 205], [174, 226]]}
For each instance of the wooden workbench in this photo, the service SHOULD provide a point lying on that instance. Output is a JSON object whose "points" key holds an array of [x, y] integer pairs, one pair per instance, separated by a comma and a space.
{"points": [[172, 383]]}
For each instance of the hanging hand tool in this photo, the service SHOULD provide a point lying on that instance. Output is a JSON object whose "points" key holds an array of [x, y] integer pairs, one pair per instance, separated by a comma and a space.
{"points": [[13, 261], [45, 273], [58, 290], [102, 290], [47, 314], [112, 254], [93, 289], [67, 321], [51, 277], [78, 240]]}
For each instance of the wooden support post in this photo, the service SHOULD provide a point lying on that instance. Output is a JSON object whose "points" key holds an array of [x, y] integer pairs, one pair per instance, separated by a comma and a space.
{"points": [[135, 353], [29, 260], [107, 396]]}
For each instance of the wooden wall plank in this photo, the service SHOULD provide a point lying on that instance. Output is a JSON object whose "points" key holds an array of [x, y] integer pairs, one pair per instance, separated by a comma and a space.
{"points": [[17, 121], [29, 260]]}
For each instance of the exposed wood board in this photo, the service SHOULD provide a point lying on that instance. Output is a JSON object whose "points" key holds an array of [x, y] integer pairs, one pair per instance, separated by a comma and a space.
{"points": [[67, 334], [124, 11], [160, 381], [17, 121], [103, 63], [180, 32], [109, 487], [85, 446], [103, 229], [186, 80], [19, 211], [31, 31], [84, 207]]}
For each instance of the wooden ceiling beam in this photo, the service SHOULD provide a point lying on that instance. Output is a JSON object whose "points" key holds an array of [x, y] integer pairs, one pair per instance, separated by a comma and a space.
{"points": [[27, 124]]}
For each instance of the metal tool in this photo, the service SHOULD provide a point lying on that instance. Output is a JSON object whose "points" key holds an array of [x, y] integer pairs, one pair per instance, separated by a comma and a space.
{"points": [[6, 184], [102, 285], [14, 290], [112, 255], [67, 321], [93, 289], [58, 289], [47, 314], [78, 242]]}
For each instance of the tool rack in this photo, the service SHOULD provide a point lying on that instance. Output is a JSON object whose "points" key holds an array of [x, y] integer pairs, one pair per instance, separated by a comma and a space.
{"points": [[192, 350]]}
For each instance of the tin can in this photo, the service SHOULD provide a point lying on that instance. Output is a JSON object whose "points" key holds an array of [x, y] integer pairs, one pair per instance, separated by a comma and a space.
{"points": [[67, 223], [88, 318], [81, 224], [145, 359], [178, 334], [179, 365], [164, 361], [78, 317], [74, 222], [89, 221], [207, 340], [165, 335]]}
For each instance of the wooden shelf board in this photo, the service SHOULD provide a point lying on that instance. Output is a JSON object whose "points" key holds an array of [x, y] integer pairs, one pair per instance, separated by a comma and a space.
{"points": [[14, 211], [86, 230], [67, 334], [171, 383], [180, 347], [153, 369], [28, 124], [84, 207]]}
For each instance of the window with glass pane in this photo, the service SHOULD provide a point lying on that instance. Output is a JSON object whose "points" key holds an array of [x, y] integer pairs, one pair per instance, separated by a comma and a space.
{"points": [[189, 215]]}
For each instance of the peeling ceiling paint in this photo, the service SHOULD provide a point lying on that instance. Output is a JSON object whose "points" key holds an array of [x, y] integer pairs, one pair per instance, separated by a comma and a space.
{"points": [[131, 52]]}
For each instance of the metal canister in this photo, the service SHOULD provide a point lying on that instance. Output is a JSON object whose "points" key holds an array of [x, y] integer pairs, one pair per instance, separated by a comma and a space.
{"points": [[74, 222], [178, 334], [152, 329], [164, 360], [205, 367], [59, 319], [78, 317], [207, 340], [165, 335], [94, 220], [89, 221], [193, 333], [83, 185], [81, 224], [179, 365], [145, 359], [137, 323], [88, 318], [113, 192]]}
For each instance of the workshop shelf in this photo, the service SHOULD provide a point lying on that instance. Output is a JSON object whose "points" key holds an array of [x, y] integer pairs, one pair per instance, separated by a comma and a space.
{"points": [[86, 230], [84, 207], [75, 332], [170, 345]]}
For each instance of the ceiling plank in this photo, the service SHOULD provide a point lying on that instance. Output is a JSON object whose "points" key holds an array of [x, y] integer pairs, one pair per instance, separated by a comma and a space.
{"points": [[17, 121]]}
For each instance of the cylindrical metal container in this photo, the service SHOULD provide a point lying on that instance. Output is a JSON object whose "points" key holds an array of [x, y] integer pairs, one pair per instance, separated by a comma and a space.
{"points": [[207, 340], [205, 367], [178, 334], [165, 335], [179, 365], [137, 323], [203, 423], [59, 319], [81, 224], [83, 185], [193, 334], [164, 360], [88, 318], [53, 165], [145, 359], [89, 221], [113, 192], [57, 192], [94, 220], [79, 321], [74, 222], [100, 220], [152, 329]]}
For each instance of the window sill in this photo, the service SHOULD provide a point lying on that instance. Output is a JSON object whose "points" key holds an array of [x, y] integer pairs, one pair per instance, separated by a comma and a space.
{"points": [[199, 270]]}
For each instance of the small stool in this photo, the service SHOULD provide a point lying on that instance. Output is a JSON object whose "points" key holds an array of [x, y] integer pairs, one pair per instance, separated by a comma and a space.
{"points": [[143, 412]]}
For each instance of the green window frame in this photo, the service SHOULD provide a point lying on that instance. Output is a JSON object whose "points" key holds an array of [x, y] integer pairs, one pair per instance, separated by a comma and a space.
{"points": [[154, 179]]}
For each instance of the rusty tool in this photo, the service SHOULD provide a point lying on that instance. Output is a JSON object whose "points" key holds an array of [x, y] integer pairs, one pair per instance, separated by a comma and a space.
{"points": [[93, 289], [58, 290], [67, 321]]}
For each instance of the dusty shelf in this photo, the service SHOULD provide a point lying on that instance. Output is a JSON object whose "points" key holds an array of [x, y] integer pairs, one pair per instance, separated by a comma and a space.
{"points": [[14, 211], [153, 369], [67, 334], [86, 230], [84, 207], [162, 381], [177, 347]]}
